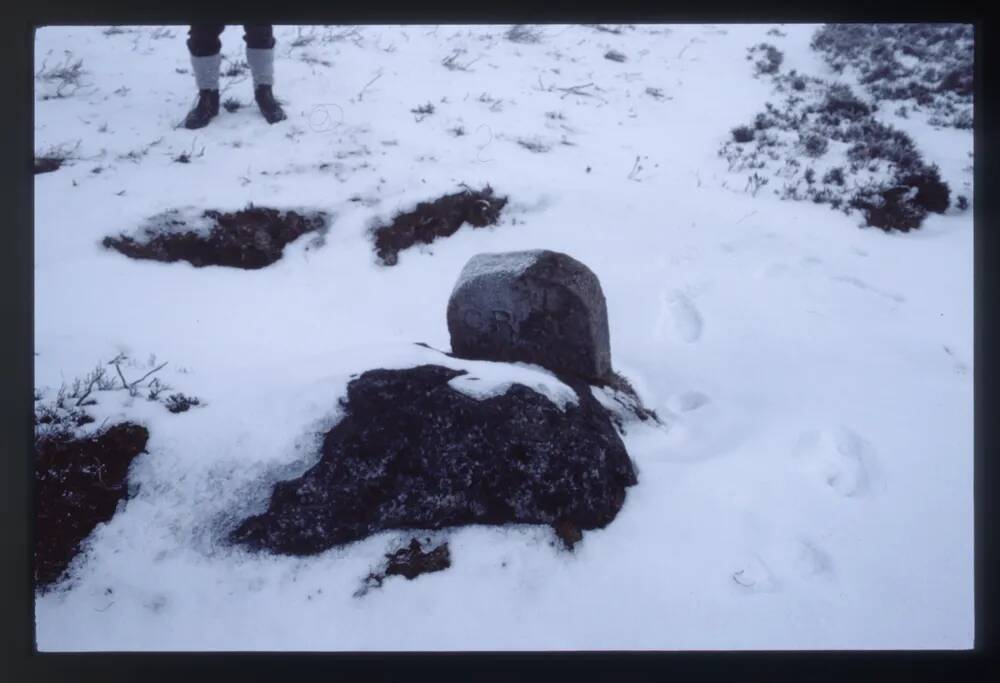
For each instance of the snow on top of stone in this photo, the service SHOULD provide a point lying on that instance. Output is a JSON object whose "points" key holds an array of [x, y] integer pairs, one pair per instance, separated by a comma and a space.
{"points": [[486, 379], [483, 379], [510, 262]]}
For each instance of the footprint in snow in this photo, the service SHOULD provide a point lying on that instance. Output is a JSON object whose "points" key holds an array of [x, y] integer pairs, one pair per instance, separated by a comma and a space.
{"points": [[754, 576], [811, 561], [841, 460], [686, 401], [799, 557], [678, 318]]}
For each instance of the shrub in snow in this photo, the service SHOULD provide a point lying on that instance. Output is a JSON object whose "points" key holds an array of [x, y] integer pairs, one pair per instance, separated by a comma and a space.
{"points": [[614, 56], [958, 80], [931, 192], [840, 104], [834, 176], [57, 81], [961, 203], [252, 238], [413, 452], [898, 188], [889, 209], [540, 307], [769, 58], [936, 73], [813, 144], [873, 140], [78, 484], [439, 218], [962, 120]]}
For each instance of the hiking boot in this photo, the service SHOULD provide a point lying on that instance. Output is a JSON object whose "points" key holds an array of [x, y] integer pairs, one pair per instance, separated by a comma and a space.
{"points": [[269, 106], [203, 112]]}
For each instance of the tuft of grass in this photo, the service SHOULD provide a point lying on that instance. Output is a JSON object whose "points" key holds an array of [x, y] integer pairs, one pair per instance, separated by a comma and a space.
{"points": [[65, 76], [536, 146], [521, 33], [423, 111], [236, 69]]}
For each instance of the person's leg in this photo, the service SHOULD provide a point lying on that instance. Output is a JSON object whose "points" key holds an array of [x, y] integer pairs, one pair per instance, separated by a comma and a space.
{"points": [[260, 56], [259, 36], [203, 39], [204, 45]]}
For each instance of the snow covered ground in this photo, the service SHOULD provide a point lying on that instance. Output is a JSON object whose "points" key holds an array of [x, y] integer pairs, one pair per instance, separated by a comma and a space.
{"points": [[812, 487]]}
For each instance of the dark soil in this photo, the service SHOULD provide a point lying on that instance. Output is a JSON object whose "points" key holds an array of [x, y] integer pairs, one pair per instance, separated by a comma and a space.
{"points": [[568, 532], [47, 164], [413, 453], [251, 238], [439, 218], [410, 562], [78, 484]]}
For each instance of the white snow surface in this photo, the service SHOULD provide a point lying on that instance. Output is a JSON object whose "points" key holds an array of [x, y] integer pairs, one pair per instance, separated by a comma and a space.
{"points": [[811, 487], [485, 379]]}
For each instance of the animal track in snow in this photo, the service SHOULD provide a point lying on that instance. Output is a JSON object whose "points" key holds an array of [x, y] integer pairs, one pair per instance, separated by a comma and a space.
{"points": [[861, 284], [679, 315], [811, 561], [686, 401], [754, 576], [841, 460], [959, 367]]}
